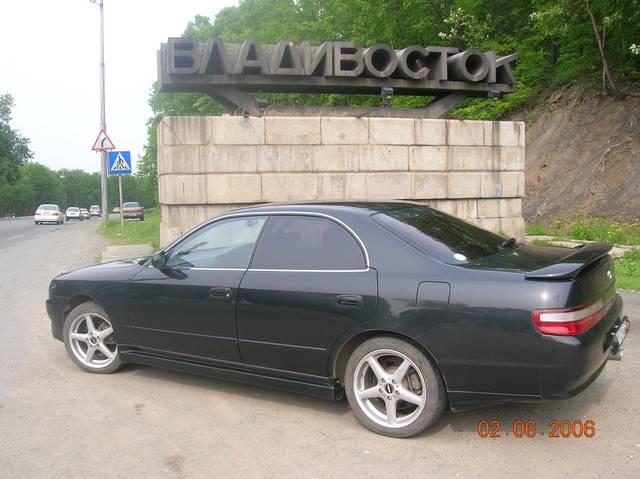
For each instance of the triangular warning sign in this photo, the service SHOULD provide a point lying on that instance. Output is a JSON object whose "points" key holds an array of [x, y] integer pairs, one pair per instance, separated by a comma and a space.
{"points": [[120, 164], [103, 142]]}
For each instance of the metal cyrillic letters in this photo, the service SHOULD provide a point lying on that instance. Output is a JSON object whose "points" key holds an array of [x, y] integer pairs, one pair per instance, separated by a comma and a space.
{"points": [[332, 67]]}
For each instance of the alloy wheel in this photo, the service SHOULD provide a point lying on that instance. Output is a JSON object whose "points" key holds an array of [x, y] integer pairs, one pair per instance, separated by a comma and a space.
{"points": [[92, 342], [389, 388]]}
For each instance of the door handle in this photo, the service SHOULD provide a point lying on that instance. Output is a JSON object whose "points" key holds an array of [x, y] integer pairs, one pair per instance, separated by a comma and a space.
{"points": [[219, 292], [349, 301]]}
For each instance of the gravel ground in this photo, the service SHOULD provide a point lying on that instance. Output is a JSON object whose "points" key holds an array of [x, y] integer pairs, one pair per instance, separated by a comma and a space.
{"points": [[57, 421]]}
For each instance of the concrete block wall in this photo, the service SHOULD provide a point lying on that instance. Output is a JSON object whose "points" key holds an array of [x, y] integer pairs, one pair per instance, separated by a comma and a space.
{"points": [[209, 165]]}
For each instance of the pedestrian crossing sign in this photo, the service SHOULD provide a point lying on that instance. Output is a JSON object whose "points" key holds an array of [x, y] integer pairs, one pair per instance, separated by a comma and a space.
{"points": [[119, 162]]}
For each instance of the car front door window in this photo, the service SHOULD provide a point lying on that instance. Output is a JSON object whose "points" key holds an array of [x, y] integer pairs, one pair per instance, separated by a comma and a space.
{"points": [[224, 244]]}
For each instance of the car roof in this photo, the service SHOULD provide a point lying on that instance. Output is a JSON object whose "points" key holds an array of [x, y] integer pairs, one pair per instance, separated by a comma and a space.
{"points": [[328, 207]]}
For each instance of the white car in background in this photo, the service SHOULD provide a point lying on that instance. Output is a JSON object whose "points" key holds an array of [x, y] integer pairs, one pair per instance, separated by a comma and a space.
{"points": [[48, 214], [73, 213], [95, 210]]}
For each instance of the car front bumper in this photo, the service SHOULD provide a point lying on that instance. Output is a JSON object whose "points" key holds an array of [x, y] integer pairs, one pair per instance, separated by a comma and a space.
{"points": [[55, 310], [571, 363]]}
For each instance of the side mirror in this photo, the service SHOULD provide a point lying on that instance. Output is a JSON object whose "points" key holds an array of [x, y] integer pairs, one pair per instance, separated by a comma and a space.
{"points": [[159, 259]]}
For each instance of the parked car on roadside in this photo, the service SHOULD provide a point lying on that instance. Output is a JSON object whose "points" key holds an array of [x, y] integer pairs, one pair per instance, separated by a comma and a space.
{"points": [[48, 214], [73, 213], [401, 307], [95, 210], [132, 209], [84, 214], [116, 209]]}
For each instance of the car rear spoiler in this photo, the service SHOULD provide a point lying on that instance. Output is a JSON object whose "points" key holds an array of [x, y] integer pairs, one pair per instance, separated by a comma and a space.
{"points": [[571, 265]]}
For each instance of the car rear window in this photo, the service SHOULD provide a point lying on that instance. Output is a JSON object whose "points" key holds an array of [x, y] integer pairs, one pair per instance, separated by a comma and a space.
{"points": [[443, 237], [48, 208], [131, 204], [307, 243], [73, 209]]}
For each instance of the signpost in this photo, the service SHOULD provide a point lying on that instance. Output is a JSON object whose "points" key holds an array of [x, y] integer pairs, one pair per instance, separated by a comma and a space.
{"points": [[119, 165]]}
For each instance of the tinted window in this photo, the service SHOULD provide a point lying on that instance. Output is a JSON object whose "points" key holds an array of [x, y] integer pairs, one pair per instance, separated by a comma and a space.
{"points": [[48, 208], [131, 204], [443, 237], [223, 244], [73, 209], [304, 242]]}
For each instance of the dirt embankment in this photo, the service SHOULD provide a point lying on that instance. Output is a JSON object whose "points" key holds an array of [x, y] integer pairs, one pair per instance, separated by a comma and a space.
{"points": [[583, 154]]}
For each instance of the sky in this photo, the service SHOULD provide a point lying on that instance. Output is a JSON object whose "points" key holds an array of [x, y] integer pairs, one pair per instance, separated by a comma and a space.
{"points": [[49, 63]]}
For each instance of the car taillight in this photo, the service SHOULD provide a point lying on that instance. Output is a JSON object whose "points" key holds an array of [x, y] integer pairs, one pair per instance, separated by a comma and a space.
{"points": [[572, 321]]}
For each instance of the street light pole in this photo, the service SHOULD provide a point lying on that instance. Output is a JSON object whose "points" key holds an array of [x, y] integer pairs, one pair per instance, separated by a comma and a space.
{"points": [[103, 119]]}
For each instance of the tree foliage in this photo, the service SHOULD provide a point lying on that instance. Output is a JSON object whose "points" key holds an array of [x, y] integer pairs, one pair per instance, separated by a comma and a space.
{"points": [[554, 39], [14, 148], [38, 184]]}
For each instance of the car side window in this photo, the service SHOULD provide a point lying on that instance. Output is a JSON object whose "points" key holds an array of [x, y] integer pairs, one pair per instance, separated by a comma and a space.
{"points": [[307, 243], [224, 244]]}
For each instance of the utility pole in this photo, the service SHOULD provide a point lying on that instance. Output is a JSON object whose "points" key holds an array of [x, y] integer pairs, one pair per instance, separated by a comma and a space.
{"points": [[103, 120]]}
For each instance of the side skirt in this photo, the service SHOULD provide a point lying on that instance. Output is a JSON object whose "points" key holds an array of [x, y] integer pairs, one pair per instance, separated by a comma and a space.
{"points": [[460, 401], [240, 373]]}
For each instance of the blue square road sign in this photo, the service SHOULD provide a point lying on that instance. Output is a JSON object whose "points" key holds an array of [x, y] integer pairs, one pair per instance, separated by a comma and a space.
{"points": [[119, 162]]}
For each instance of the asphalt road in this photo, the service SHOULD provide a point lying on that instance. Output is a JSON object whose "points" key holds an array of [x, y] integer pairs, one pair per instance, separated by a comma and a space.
{"points": [[57, 421]]}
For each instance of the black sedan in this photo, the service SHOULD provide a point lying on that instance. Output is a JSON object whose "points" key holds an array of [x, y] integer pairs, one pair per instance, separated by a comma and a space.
{"points": [[401, 307]]}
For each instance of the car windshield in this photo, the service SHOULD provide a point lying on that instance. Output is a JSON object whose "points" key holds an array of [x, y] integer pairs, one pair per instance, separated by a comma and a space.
{"points": [[443, 237], [48, 208], [131, 204]]}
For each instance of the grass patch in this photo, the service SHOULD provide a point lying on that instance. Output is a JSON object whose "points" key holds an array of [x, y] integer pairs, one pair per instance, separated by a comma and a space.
{"points": [[135, 232], [599, 229], [536, 230], [587, 228], [628, 271]]}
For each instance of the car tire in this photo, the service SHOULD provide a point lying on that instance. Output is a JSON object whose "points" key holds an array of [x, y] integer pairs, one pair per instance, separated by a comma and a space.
{"points": [[87, 341], [403, 396], [142, 219]]}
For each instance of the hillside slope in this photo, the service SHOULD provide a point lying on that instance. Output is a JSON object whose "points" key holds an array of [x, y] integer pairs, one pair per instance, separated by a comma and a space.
{"points": [[582, 154]]}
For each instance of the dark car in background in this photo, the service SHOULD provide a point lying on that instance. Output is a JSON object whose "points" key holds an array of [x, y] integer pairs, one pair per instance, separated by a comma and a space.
{"points": [[133, 210], [401, 307]]}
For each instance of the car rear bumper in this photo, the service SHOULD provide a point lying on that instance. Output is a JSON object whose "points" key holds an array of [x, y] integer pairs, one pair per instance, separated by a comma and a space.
{"points": [[132, 215], [48, 219], [571, 363], [55, 310]]}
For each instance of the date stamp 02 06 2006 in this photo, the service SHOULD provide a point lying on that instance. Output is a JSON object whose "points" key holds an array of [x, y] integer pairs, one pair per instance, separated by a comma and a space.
{"points": [[556, 428]]}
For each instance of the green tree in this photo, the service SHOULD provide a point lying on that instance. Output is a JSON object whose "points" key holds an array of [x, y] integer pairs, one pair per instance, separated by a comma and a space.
{"points": [[557, 41], [14, 148]]}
